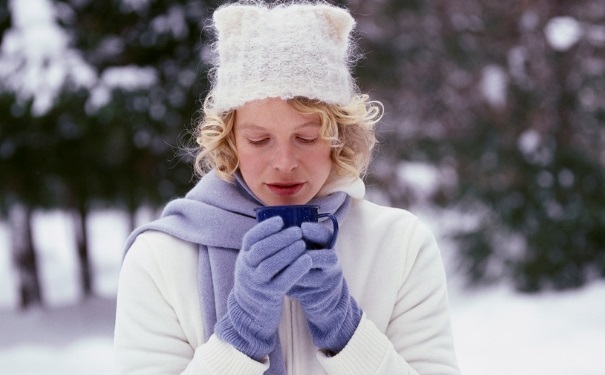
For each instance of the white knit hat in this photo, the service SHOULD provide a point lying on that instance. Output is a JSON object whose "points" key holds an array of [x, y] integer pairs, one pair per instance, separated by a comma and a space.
{"points": [[282, 51]]}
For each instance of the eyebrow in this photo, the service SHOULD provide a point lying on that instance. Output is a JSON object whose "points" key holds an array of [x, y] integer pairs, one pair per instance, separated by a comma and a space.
{"points": [[252, 126]]}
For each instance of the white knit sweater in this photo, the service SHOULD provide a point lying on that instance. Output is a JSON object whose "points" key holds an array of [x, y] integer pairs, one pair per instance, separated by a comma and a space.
{"points": [[393, 268]]}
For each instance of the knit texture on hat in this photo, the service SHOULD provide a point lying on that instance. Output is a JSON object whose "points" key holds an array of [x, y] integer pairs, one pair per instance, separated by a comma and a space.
{"points": [[285, 51]]}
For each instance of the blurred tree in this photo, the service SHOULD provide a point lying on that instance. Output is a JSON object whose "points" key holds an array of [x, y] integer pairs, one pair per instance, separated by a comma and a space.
{"points": [[16, 188], [161, 44], [22, 190], [77, 168], [505, 98], [4, 18], [147, 59], [112, 138], [508, 113]]}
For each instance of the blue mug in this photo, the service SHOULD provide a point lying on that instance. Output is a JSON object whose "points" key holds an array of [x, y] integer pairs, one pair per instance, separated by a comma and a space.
{"points": [[295, 215]]}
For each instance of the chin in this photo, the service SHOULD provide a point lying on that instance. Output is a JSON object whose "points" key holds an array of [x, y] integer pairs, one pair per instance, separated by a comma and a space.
{"points": [[285, 201]]}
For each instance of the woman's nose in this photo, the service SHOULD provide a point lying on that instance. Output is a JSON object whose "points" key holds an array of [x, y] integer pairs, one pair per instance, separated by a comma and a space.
{"points": [[285, 158]]}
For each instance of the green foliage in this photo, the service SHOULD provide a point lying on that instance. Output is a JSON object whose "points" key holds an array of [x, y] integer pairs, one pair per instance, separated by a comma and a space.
{"points": [[4, 17], [527, 167], [145, 126], [123, 151], [530, 172]]}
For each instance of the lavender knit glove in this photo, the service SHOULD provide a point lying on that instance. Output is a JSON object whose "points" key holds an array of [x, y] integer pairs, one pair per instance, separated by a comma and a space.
{"points": [[270, 262], [332, 313]]}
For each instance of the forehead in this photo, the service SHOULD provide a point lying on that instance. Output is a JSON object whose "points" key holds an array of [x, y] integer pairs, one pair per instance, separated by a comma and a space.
{"points": [[272, 112]]}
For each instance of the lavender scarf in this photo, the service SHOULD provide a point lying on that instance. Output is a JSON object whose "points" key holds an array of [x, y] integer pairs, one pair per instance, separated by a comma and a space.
{"points": [[215, 215]]}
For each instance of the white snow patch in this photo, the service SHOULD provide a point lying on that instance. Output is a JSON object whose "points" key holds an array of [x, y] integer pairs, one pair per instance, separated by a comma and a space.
{"points": [[563, 32], [496, 331], [529, 141], [493, 85], [125, 77], [35, 57], [422, 178]]}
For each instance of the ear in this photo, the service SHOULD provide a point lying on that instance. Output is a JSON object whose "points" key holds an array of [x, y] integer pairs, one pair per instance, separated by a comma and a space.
{"points": [[339, 21], [229, 18]]}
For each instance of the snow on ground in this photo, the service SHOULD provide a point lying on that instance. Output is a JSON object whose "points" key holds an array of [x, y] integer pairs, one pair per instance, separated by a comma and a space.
{"points": [[497, 331], [69, 340], [500, 332]]}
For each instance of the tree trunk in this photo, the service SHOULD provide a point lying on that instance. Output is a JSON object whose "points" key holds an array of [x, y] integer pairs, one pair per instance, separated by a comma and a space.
{"points": [[132, 217], [86, 273], [30, 291]]}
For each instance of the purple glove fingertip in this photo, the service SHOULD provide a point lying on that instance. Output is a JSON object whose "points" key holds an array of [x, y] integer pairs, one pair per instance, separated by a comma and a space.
{"points": [[332, 313], [270, 262], [316, 233]]}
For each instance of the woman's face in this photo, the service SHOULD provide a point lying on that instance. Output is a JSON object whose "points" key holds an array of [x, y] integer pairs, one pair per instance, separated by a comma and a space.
{"points": [[281, 155]]}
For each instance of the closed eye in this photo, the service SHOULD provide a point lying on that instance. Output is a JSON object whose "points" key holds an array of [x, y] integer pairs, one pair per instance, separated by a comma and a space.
{"points": [[258, 142], [307, 140]]}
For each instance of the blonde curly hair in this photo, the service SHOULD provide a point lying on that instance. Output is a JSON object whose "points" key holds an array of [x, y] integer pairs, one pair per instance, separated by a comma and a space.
{"points": [[348, 129]]}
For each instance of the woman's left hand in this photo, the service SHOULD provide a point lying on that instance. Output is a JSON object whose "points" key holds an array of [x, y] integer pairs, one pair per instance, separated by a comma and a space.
{"points": [[332, 313]]}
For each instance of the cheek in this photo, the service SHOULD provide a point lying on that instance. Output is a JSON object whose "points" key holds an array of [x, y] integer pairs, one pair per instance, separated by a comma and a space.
{"points": [[251, 163], [324, 156], [320, 162]]}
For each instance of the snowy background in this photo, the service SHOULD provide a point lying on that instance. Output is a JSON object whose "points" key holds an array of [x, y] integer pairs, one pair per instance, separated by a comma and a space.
{"points": [[497, 331]]}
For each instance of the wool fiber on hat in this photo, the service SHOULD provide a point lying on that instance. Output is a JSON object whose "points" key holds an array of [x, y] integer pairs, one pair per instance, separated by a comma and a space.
{"points": [[285, 51]]}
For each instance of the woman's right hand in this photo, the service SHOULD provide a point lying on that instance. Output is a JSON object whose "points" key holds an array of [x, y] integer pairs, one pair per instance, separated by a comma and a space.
{"points": [[271, 261]]}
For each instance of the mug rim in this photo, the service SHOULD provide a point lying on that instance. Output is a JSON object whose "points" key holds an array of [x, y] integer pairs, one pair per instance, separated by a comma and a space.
{"points": [[287, 206]]}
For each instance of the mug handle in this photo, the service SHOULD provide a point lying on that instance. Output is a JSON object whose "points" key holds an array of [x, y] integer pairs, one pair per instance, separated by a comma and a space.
{"points": [[334, 224]]}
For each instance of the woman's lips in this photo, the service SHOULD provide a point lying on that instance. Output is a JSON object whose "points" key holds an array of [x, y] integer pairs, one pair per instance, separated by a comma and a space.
{"points": [[285, 188]]}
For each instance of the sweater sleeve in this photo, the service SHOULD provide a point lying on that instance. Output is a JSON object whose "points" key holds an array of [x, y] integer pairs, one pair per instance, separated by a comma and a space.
{"points": [[149, 334], [418, 339]]}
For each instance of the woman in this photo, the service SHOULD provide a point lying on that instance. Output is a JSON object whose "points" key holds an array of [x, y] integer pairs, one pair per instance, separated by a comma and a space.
{"points": [[208, 290]]}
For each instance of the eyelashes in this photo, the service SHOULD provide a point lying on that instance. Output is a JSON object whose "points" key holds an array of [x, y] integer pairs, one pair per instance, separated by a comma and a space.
{"points": [[302, 140], [308, 141], [258, 142]]}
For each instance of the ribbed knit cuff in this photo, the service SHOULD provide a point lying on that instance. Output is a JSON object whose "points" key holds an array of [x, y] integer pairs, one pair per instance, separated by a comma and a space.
{"points": [[364, 354], [241, 330], [333, 334], [220, 358]]}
